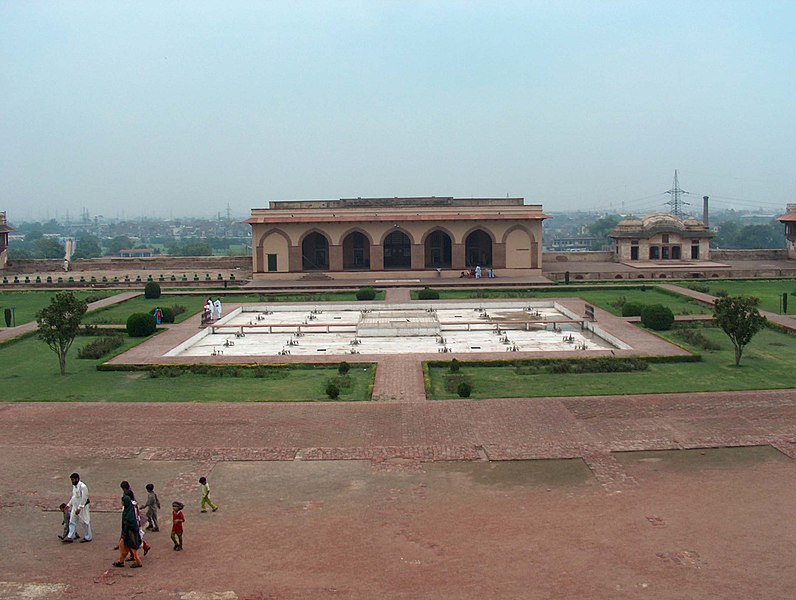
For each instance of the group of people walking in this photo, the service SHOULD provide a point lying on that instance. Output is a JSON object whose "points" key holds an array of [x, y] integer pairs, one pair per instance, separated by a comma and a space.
{"points": [[212, 309], [136, 519]]}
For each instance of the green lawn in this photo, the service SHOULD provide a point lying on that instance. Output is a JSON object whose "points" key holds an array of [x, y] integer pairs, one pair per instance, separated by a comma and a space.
{"points": [[767, 363], [768, 290], [30, 374], [26, 304], [118, 313], [604, 297]]}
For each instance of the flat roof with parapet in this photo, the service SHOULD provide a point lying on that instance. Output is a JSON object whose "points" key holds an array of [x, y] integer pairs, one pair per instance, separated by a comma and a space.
{"points": [[387, 209]]}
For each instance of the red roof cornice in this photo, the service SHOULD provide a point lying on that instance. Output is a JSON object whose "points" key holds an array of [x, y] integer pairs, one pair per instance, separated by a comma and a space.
{"points": [[359, 218]]}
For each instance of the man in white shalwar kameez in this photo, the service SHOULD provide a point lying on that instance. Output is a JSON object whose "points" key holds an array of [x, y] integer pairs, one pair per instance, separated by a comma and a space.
{"points": [[79, 511], [217, 308]]}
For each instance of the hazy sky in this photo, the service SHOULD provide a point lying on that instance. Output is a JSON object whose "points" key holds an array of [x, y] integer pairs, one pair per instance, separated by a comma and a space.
{"points": [[182, 108]]}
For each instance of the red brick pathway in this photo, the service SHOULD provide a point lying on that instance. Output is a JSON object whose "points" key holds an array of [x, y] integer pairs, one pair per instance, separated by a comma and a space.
{"points": [[399, 378]]}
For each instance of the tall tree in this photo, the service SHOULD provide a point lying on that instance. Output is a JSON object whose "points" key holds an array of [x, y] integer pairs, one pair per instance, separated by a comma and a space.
{"points": [[59, 323], [739, 318]]}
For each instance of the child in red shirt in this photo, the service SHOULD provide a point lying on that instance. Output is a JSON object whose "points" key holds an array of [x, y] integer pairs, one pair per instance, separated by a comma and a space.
{"points": [[177, 520]]}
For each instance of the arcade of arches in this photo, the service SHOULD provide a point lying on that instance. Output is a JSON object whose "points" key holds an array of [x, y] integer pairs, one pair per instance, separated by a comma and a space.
{"points": [[402, 234], [396, 251]]}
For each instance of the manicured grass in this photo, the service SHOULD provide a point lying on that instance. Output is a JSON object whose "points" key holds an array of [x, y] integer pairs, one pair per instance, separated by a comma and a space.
{"points": [[26, 304], [118, 313], [605, 297], [768, 290], [30, 374], [767, 363]]}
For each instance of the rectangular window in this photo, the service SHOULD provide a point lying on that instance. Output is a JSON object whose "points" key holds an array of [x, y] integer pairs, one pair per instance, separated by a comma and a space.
{"points": [[695, 251], [271, 263], [665, 238]]}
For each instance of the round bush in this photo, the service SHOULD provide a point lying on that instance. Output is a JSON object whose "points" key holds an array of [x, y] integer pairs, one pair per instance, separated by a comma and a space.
{"points": [[332, 390], [454, 368], [140, 325], [343, 368], [168, 315], [464, 389], [366, 293], [428, 294], [657, 317], [152, 290], [632, 309]]}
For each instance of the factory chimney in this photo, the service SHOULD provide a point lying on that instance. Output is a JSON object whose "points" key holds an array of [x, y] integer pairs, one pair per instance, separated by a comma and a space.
{"points": [[705, 211]]}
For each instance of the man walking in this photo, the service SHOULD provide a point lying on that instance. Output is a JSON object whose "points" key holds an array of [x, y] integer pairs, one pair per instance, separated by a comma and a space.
{"points": [[79, 510]]}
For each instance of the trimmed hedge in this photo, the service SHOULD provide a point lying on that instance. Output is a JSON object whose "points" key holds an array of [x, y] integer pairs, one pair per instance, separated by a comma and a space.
{"points": [[101, 347], [632, 309], [152, 290], [366, 293], [657, 317], [428, 294], [141, 325]]}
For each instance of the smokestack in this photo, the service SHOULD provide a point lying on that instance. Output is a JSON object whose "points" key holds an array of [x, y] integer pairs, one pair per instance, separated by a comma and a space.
{"points": [[705, 211]]}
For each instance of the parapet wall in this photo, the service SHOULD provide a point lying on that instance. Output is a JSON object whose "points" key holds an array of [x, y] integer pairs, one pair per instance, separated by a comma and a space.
{"points": [[577, 257], [165, 264], [762, 254]]}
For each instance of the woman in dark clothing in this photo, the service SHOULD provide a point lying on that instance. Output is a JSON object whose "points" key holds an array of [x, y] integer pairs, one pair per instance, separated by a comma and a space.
{"points": [[131, 538]]}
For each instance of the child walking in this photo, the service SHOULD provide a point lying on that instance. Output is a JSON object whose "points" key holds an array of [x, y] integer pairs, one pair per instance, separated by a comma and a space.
{"points": [[152, 505], [65, 510], [206, 495], [177, 520]]}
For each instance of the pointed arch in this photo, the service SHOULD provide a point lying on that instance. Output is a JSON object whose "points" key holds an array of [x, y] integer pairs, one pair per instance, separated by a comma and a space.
{"points": [[437, 248], [314, 250], [478, 248], [356, 244]]}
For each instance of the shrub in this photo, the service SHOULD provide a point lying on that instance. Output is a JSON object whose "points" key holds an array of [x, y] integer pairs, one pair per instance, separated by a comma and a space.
{"points": [[699, 287], [152, 290], [632, 309], [464, 390], [619, 302], [696, 338], [168, 315], [366, 293], [140, 325], [101, 347], [454, 368], [332, 390], [178, 309], [721, 293], [343, 368], [428, 294], [657, 317]]}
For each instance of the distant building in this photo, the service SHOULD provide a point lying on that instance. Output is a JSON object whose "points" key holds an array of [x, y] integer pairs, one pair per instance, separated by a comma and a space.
{"points": [[4, 231], [661, 237], [401, 235], [789, 219], [136, 253], [577, 243]]}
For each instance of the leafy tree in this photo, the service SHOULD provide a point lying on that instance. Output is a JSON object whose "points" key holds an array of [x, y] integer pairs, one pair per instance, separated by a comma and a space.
{"points": [[196, 249], [59, 323], [739, 318], [120, 242], [601, 228], [48, 248], [88, 246]]}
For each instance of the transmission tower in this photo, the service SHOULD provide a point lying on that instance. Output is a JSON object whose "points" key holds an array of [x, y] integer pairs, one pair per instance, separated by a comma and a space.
{"points": [[676, 201]]}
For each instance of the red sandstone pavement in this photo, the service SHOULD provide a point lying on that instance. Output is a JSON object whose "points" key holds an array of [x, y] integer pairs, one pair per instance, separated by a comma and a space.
{"points": [[420, 500]]}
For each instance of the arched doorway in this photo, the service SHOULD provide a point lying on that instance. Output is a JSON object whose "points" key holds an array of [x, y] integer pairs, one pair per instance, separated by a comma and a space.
{"points": [[478, 249], [315, 253], [356, 251], [438, 250], [397, 251]]}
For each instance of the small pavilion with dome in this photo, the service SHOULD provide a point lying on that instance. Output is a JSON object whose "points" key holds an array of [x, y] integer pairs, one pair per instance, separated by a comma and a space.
{"points": [[661, 238]]}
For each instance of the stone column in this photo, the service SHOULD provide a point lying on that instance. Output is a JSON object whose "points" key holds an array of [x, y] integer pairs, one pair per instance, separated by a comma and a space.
{"points": [[376, 257], [294, 259], [335, 257], [498, 256], [457, 257], [418, 257]]}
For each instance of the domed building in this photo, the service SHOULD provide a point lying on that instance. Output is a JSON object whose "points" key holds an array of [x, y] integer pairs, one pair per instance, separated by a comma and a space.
{"points": [[4, 231], [661, 237], [789, 220]]}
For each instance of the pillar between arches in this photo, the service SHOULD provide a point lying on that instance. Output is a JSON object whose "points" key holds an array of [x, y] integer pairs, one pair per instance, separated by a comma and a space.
{"points": [[294, 259], [418, 257], [376, 257], [457, 256], [499, 256], [335, 257]]}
